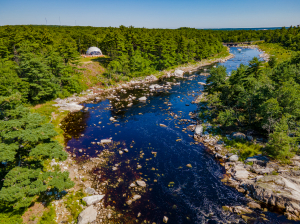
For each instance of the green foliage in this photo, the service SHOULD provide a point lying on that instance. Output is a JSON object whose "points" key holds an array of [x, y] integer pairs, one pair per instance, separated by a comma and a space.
{"points": [[25, 143], [48, 216], [260, 98], [243, 148], [281, 145], [6, 218], [216, 79], [73, 203]]}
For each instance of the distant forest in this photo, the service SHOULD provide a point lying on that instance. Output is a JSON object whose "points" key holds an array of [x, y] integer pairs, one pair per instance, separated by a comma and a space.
{"points": [[40, 62]]}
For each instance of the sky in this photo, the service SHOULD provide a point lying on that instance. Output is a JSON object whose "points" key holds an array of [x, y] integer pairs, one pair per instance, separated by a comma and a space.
{"points": [[152, 13]]}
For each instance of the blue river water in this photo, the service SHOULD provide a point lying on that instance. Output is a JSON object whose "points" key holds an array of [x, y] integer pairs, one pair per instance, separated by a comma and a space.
{"points": [[159, 154]]}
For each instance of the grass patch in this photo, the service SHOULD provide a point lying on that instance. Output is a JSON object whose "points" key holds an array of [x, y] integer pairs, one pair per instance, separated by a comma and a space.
{"points": [[276, 50], [74, 204], [53, 115], [48, 216], [243, 148]]}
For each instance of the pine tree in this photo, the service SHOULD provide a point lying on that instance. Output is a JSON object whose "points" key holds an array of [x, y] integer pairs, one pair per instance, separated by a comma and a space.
{"points": [[25, 143]]}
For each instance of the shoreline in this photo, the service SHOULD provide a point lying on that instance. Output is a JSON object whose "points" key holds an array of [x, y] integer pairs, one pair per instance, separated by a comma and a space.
{"points": [[81, 174], [267, 183]]}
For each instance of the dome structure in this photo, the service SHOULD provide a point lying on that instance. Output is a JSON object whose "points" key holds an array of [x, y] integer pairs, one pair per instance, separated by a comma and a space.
{"points": [[93, 51]]}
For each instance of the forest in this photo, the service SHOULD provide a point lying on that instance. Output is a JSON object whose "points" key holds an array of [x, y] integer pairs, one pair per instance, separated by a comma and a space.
{"points": [[40, 63], [260, 100]]}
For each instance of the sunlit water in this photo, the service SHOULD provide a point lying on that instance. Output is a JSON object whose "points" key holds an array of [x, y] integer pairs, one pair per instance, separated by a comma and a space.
{"points": [[197, 194]]}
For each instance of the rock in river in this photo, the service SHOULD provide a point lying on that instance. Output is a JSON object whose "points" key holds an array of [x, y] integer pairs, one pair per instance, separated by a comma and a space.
{"points": [[199, 129], [142, 99], [141, 183], [105, 141]]}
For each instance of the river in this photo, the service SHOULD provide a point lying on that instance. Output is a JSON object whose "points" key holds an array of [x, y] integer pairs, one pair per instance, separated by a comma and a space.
{"points": [[159, 155]]}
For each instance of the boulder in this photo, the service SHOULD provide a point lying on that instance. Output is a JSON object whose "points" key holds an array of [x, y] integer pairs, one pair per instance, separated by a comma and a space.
{"points": [[179, 73], [72, 107], [199, 129], [90, 200], [165, 219], [238, 135], [142, 99], [105, 141], [141, 183], [259, 159], [233, 158], [87, 216]]}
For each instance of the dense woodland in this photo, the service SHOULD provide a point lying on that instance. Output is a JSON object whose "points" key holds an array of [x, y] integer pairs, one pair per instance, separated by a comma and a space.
{"points": [[287, 37], [39, 63], [261, 100]]}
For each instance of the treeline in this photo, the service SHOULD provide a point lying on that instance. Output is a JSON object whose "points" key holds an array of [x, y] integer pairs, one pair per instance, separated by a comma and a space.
{"points": [[263, 99], [40, 61], [288, 37]]}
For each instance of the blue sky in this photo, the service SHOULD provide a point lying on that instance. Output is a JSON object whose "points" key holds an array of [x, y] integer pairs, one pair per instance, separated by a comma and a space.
{"points": [[153, 13]]}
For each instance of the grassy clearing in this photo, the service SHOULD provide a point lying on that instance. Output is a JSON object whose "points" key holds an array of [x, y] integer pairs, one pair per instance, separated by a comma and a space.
{"points": [[275, 49], [243, 148]]}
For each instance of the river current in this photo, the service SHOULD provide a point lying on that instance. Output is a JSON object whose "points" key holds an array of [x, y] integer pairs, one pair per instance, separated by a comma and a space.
{"points": [[159, 154]]}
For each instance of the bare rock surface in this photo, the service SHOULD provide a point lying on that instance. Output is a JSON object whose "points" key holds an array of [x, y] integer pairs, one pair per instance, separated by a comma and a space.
{"points": [[179, 73], [87, 216], [90, 200]]}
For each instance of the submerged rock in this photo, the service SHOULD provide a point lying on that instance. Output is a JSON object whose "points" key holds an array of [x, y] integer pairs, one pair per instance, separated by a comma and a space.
{"points": [[189, 165]]}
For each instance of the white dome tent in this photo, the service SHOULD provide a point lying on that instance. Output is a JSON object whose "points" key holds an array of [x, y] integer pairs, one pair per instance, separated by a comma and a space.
{"points": [[93, 51]]}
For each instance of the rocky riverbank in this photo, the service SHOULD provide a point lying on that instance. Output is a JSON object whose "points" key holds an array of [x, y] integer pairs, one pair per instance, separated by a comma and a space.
{"points": [[274, 185], [85, 175], [265, 56], [72, 103]]}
